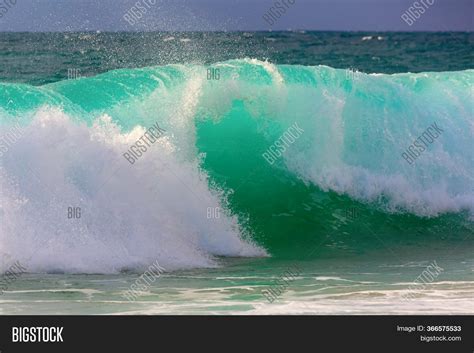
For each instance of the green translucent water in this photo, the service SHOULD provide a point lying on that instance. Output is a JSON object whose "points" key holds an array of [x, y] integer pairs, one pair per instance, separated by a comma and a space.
{"points": [[340, 203]]}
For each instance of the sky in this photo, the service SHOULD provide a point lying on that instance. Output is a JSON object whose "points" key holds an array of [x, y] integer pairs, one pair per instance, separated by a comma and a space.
{"points": [[232, 15]]}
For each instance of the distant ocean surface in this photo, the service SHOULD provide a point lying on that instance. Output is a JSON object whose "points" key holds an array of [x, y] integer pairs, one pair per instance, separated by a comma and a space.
{"points": [[217, 201], [39, 58]]}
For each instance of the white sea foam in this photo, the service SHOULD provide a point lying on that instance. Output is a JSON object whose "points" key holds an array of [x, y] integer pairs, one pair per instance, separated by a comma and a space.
{"points": [[131, 215]]}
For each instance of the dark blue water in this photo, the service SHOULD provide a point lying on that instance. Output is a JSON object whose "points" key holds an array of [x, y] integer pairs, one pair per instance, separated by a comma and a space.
{"points": [[39, 58]]}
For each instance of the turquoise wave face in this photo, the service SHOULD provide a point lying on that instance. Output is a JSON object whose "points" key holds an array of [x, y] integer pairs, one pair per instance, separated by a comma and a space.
{"points": [[292, 152]]}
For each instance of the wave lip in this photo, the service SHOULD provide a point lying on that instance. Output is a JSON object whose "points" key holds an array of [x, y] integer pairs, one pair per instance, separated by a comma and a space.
{"points": [[357, 127]]}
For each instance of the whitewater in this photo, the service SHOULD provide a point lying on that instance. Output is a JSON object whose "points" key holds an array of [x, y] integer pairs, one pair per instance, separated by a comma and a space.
{"points": [[70, 137]]}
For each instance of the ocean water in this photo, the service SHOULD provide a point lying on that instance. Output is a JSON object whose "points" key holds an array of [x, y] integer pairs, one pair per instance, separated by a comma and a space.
{"points": [[339, 206]]}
